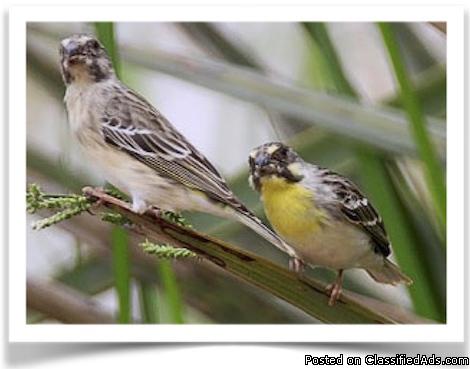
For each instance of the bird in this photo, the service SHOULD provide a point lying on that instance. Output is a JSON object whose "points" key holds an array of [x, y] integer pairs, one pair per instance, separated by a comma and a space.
{"points": [[322, 215], [137, 148]]}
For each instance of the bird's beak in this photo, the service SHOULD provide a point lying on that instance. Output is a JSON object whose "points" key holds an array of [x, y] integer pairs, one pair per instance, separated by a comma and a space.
{"points": [[71, 49], [261, 160]]}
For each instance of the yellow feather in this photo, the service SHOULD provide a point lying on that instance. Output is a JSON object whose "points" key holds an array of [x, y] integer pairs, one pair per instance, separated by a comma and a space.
{"points": [[291, 209]]}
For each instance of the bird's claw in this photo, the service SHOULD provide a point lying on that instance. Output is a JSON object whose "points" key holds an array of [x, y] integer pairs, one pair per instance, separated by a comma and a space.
{"points": [[98, 202], [334, 290], [155, 212], [296, 265]]}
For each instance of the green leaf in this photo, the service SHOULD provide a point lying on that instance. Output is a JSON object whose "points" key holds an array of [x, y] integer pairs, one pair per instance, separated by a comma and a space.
{"points": [[329, 59], [379, 187], [121, 268], [148, 302], [105, 33], [172, 292], [433, 169], [430, 89]]}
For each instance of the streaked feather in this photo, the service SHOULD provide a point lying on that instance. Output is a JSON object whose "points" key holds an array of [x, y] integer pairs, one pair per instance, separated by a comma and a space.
{"points": [[134, 126], [357, 209]]}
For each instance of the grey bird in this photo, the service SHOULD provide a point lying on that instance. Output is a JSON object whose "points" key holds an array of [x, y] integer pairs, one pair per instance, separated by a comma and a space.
{"points": [[138, 149]]}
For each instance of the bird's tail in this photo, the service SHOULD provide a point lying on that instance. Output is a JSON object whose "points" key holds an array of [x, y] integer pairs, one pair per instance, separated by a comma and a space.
{"points": [[389, 273], [244, 216]]}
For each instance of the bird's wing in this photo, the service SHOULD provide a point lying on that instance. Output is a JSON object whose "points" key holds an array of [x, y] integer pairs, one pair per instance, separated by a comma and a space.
{"points": [[132, 125], [358, 210]]}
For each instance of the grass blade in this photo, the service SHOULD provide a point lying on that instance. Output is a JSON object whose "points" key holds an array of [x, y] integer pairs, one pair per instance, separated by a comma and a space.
{"points": [[433, 169], [105, 33], [378, 185], [121, 273], [430, 89], [333, 67], [172, 292], [148, 302]]}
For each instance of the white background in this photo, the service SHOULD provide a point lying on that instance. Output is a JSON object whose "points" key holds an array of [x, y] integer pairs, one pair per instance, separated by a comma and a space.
{"points": [[272, 355]]}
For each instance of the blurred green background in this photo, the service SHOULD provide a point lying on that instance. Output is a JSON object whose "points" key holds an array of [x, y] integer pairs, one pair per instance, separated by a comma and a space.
{"points": [[368, 100]]}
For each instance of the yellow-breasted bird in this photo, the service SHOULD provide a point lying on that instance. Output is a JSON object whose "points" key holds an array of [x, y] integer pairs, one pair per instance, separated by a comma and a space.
{"points": [[323, 215]]}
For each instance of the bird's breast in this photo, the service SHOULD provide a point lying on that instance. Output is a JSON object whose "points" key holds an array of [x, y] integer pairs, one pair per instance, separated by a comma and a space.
{"points": [[84, 104], [319, 239], [290, 209]]}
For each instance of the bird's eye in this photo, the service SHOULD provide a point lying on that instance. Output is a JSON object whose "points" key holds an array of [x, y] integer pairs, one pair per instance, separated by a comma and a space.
{"points": [[93, 44], [280, 153]]}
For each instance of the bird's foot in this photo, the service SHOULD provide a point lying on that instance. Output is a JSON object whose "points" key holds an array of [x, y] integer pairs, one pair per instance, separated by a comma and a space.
{"points": [[296, 265], [335, 289], [155, 212], [97, 203]]}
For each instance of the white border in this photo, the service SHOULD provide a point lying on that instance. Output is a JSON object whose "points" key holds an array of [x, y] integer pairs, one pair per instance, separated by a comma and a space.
{"points": [[19, 331]]}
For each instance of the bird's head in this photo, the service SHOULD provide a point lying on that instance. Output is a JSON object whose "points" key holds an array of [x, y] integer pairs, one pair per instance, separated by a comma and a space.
{"points": [[276, 160], [84, 59]]}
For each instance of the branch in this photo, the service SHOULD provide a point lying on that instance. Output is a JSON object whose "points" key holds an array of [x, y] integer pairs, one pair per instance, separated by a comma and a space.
{"points": [[64, 304], [306, 294], [220, 303]]}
